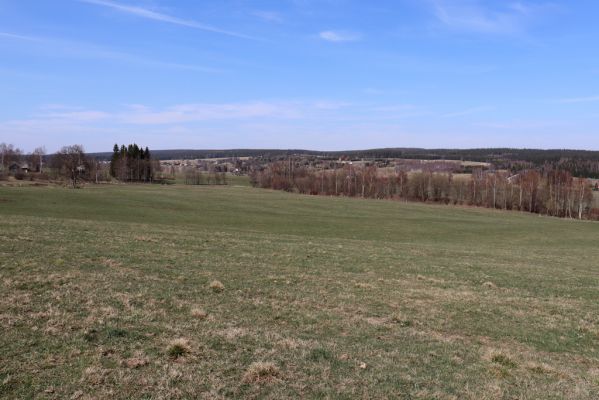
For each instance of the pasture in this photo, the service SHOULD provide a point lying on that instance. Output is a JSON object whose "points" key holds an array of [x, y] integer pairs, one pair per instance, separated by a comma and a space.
{"points": [[140, 291]]}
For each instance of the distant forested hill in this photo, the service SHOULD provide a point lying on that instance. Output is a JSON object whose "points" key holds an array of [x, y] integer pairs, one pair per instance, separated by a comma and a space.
{"points": [[578, 162]]}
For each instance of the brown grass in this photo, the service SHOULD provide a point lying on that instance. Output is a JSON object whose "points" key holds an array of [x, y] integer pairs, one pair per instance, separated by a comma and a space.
{"points": [[217, 286], [135, 362], [261, 372], [199, 313], [178, 348]]}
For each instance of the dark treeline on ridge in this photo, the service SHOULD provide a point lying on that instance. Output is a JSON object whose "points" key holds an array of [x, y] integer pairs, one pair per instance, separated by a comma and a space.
{"points": [[580, 163], [546, 191]]}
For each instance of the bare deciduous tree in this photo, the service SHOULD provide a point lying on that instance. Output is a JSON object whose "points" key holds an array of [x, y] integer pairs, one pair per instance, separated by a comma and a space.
{"points": [[71, 162], [36, 160]]}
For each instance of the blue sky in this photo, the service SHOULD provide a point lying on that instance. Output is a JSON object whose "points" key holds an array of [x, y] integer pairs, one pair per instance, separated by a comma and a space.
{"points": [[318, 74]]}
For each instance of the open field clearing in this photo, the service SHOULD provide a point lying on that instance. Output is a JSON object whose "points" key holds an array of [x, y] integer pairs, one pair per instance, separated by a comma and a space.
{"points": [[233, 292]]}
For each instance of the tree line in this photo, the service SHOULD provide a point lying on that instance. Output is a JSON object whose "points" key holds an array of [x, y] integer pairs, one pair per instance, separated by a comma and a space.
{"points": [[13, 156], [551, 192], [581, 163], [193, 176], [71, 163]]}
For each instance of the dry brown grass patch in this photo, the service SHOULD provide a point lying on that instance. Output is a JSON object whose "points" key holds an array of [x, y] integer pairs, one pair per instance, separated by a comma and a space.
{"points": [[199, 313], [232, 333], [217, 286], [94, 375], [364, 285], [145, 239], [376, 321], [110, 263], [294, 343], [135, 362], [540, 368], [261, 372], [401, 320]]}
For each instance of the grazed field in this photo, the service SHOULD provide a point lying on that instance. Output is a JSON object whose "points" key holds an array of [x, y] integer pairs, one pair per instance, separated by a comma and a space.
{"points": [[109, 292]]}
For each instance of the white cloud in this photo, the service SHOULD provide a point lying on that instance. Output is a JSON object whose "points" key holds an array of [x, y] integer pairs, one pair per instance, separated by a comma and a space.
{"points": [[137, 114], [156, 16], [518, 125], [398, 111], [8, 35], [77, 116], [472, 16], [88, 50], [269, 16], [204, 112], [520, 7], [339, 36], [330, 105], [58, 120], [181, 123]]}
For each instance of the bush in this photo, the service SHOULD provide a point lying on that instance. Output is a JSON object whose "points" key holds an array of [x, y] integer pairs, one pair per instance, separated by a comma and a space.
{"points": [[19, 176]]}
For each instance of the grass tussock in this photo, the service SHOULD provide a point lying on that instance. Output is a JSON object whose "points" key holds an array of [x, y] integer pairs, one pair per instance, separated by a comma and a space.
{"points": [[503, 360], [261, 372], [178, 348], [217, 286]]}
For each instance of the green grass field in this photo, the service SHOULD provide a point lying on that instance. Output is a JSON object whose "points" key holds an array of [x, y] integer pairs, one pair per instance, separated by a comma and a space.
{"points": [[106, 294]]}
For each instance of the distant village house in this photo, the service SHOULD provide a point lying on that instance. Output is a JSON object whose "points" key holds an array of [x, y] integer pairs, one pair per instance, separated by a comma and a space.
{"points": [[18, 167]]}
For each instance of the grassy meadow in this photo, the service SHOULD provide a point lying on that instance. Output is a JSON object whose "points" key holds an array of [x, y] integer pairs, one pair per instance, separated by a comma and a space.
{"points": [[155, 292]]}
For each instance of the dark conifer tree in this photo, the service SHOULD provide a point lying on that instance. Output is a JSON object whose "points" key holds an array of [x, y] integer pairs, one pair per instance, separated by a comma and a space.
{"points": [[131, 163], [114, 161]]}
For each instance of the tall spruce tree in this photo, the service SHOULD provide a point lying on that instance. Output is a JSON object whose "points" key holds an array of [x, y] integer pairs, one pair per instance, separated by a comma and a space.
{"points": [[131, 163], [114, 161]]}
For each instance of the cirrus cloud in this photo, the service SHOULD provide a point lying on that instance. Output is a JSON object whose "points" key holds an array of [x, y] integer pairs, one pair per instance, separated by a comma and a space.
{"points": [[339, 36]]}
